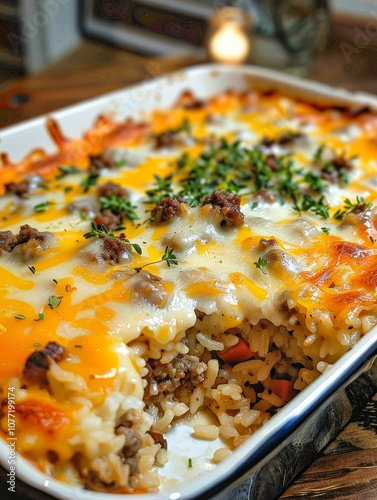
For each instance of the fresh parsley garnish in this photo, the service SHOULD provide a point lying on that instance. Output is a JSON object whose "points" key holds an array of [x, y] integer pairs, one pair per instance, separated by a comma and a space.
{"points": [[37, 344], [326, 230], [168, 257], [189, 463]]}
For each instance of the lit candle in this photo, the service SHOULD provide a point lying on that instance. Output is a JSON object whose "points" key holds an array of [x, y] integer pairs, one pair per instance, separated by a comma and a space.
{"points": [[228, 40]]}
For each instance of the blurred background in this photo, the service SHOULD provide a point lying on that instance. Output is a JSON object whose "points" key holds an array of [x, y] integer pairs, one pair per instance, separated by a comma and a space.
{"points": [[58, 52]]}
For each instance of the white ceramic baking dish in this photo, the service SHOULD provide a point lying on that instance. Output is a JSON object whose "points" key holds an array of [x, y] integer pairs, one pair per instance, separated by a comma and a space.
{"points": [[204, 81]]}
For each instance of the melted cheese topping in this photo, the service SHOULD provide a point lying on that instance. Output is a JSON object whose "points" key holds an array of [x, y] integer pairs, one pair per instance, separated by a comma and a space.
{"points": [[102, 307]]}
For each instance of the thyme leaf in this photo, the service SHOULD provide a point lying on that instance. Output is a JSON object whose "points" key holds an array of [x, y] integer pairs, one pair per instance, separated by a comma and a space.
{"points": [[54, 301], [261, 264], [103, 232], [90, 181], [349, 207], [168, 257], [63, 171], [119, 206], [42, 207]]}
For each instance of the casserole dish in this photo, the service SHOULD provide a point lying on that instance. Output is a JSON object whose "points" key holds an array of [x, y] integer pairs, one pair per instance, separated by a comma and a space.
{"points": [[203, 81]]}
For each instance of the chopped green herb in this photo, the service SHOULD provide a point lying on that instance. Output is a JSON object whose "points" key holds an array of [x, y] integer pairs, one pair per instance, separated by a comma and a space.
{"points": [[344, 179], [360, 206], [67, 189], [19, 316], [168, 257], [309, 204], [162, 190], [41, 316], [78, 345], [63, 171], [373, 240], [229, 166], [54, 301], [103, 232], [326, 230], [90, 181], [318, 154], [119, 206], [42, 207], [261, 264], [254, 205], [315, 182], [120, 163], [37, 345], [189, 463]]}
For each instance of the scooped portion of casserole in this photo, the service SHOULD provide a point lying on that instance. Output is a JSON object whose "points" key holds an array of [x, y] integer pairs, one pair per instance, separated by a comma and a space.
{"points": [[213, 261]]}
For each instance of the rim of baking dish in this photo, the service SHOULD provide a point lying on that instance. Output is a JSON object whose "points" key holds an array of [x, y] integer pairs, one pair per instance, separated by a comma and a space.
{"points": [[266, 440]]}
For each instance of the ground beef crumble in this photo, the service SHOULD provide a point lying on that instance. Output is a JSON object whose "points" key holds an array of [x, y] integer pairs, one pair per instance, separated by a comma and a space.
{"points": [[338, 167], [94, 483], [38, 363], [130, 457], [148, 287], [111, 189], [130, 451], [28, 236], [108, 219], [98, 162], [158, 438], [115, 251], [166, 139], [272, 162], [228, 205], [19, 188], [166, 378], [287, 139], [167, 209]]}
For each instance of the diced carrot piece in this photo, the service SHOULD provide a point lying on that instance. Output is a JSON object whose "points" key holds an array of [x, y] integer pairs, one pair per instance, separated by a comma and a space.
{"points": [[283, 388], [237, 353]]}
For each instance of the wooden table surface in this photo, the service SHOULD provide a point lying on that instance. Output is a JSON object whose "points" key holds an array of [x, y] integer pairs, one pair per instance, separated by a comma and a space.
{"points": [[347, 469]]}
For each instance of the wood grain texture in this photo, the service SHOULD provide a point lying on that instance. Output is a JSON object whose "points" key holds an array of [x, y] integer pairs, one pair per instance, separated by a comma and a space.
{"points": [[350, 476], [348, 467], [91, 70]]}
